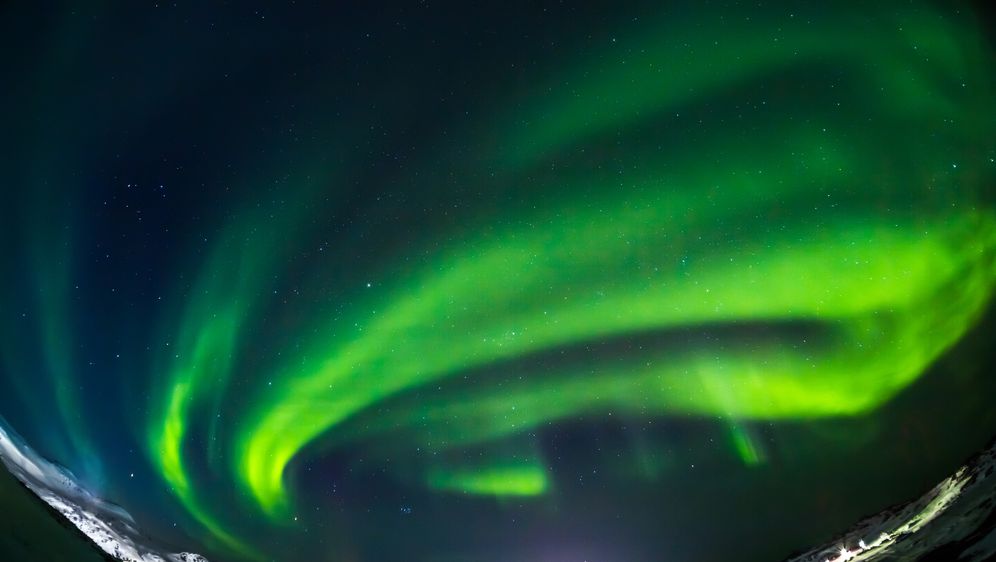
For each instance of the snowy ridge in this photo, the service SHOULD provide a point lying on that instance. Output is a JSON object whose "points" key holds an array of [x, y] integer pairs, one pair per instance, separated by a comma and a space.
{"points": [[953, 517], [109, 526]]}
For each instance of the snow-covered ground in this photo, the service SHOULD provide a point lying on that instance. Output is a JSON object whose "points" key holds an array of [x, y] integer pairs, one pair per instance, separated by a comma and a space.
{"points": [[953, 521], [109, 526]]}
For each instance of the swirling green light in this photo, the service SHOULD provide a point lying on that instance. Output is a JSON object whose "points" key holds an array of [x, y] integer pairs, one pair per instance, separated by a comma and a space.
{"points": [[870, 232], [198, 366], [898, 295]]}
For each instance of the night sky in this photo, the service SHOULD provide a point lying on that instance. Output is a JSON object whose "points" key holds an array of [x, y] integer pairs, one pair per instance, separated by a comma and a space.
{"points": [[552, 282]]}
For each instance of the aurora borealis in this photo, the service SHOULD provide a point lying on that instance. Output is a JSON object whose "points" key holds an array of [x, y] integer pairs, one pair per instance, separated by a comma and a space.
{"points": [[529, 282]]}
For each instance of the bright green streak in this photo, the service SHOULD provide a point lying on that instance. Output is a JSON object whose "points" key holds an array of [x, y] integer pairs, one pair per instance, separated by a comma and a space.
{"points": [[745, 446], [198, 365], [496, 481], [201, 368]]}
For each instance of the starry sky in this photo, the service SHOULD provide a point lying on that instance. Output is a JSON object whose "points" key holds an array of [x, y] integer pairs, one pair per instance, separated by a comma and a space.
{"points": [[540, 281]]}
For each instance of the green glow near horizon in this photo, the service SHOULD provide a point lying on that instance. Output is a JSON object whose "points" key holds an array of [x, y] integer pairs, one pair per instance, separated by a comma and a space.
{"points": [[513, 467], [496, 481], [798, 224]]}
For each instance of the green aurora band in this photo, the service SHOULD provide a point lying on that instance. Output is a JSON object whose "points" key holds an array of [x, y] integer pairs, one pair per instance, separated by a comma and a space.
{"points": [[812, 265]]}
